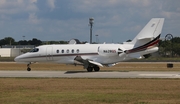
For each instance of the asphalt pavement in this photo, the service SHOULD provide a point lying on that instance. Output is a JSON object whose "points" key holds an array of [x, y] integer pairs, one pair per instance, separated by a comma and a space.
{"points": [[84, 74]]}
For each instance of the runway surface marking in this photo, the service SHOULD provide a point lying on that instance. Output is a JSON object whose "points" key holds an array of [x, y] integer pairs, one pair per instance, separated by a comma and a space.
{"points": [[84, 74]]}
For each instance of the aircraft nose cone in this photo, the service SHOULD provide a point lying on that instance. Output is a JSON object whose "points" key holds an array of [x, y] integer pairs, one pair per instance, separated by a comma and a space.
{"points": [[15, 59]]}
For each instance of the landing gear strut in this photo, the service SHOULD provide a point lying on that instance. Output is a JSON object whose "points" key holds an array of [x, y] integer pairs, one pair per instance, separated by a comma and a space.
{"points": [[90, 68], [28, 67]]}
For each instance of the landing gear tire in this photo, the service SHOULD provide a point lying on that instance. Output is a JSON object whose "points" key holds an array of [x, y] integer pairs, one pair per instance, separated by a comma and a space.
{"points": [[90, 69], [28, 69], [96, 68]]}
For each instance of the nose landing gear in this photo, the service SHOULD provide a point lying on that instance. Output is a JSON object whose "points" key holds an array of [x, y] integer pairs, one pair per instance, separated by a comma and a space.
{"points": [[28, 67]]}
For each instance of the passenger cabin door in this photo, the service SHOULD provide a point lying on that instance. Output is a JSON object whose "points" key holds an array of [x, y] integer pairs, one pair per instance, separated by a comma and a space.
{"points": [[49, 53]]}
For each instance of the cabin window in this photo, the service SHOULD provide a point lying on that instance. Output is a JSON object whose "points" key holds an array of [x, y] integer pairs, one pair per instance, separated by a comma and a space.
{"points": [[67, 51], [77, 50], [35, 50], [72, 50], [62, 51], [57, 51]]}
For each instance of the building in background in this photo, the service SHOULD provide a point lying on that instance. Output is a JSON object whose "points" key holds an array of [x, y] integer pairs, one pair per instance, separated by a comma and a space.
{"points": [[14, 50]]}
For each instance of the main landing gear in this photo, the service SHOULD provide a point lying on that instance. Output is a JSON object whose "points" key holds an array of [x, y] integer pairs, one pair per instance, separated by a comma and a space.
{"points": [[28, 67], [90, 68]]}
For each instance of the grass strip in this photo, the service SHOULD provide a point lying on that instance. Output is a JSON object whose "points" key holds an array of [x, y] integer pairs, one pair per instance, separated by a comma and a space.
{"points": [[89, 91]]}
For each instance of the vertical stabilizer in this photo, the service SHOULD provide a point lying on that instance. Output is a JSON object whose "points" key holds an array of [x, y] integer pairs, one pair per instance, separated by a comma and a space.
{"points": [[152, 30]]}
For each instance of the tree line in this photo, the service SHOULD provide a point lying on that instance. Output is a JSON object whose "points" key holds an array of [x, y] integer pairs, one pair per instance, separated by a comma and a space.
{"points": [[34, 41], [167, 48], [170, 48]]}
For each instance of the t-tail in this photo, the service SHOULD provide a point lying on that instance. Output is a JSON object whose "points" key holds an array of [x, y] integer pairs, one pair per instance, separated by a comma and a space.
{"points": [[151, 31], [147, 40]]}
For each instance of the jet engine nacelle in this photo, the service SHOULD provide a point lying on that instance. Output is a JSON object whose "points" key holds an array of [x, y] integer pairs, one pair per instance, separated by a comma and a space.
{"points": [[108, 51]]}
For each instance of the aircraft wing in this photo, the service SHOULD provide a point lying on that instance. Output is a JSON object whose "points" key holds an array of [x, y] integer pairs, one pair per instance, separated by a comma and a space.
{"points": [[95, 63], [86, 62]]}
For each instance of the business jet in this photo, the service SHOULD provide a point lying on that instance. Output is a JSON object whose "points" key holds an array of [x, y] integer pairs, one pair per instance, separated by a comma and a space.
{"points": [[94, 56]]}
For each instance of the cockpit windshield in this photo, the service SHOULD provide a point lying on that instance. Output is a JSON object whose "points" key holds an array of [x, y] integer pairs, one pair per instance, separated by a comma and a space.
{"points": [[35, 50]]}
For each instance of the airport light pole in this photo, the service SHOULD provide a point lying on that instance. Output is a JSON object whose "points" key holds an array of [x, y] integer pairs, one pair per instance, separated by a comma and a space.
{"points": [[91, 21], [96, 38], [23, 37]]}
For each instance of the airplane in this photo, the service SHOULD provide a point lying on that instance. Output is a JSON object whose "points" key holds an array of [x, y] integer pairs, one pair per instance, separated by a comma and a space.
{"points": [[94, 56]]}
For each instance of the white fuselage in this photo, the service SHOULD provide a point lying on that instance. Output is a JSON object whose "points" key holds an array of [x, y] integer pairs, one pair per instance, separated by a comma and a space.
{"points": [[102, 53]]}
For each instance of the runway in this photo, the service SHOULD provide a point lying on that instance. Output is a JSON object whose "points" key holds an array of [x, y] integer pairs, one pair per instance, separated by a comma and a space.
{"points": [[84, 74]]}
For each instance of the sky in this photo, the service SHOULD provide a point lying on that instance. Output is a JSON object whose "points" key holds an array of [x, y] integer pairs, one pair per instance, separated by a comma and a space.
{"points": [[114, 20]]}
